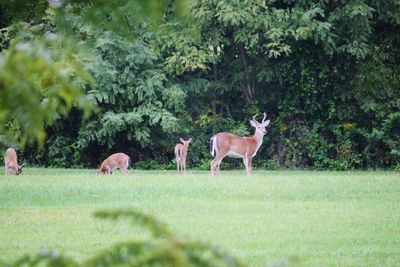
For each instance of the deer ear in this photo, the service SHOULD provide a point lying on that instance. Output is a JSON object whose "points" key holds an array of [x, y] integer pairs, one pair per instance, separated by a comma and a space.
{"points": [[180, 139], [190, 140], [23, 164], [267, 123], [253, 123]]}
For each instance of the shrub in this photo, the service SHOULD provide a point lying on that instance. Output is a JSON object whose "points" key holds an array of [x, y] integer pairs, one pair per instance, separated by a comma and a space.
{"points": [[164, 248]]}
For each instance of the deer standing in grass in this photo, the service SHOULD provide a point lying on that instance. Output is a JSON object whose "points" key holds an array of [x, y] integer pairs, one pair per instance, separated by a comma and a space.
{"points": [[11, 163], [180, 155], [226, 144], [117, 160]]}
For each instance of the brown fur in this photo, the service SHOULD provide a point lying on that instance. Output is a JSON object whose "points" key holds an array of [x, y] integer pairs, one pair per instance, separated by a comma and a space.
{"points": [[11, 162], [180, 155], [117, 160], [227, 144]]}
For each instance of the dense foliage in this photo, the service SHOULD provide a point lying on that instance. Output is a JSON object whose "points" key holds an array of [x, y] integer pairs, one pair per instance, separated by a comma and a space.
{"points": [[40, 79], [326, 73]]}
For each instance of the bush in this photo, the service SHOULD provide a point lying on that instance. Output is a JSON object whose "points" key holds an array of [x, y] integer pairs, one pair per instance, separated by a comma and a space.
{"points": [[163, 248]]}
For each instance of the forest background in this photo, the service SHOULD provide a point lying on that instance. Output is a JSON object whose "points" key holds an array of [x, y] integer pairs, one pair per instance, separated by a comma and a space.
{"points": [[82, 79]]}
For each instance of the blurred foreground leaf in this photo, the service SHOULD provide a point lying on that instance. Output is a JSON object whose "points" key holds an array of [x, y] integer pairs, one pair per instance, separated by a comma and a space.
{"points": [[163, 248], [40, 79]]}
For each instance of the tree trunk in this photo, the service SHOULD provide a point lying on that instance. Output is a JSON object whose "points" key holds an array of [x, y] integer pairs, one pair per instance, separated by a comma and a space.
{"points": [[249, 81]]}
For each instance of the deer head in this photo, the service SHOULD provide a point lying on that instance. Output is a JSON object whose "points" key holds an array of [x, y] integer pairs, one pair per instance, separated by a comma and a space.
{"points": [[187, 142], [260, 126], [19, 169]]}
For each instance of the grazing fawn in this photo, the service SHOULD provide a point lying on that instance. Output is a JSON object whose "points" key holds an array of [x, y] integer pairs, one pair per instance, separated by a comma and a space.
{"points": [[11, 162], [181, 153], [226, 144], [117, 160]]}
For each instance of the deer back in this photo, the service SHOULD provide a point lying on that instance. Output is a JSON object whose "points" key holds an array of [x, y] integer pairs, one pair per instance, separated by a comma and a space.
{"points": [[230, 143], [117, 159], [11, 156]]}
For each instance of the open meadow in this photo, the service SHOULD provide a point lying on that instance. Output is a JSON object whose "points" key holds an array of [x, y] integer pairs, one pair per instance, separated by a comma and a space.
{"points": [[321, 218]]}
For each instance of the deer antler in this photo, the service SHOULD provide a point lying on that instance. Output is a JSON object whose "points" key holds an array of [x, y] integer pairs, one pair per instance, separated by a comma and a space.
{"points": [[254, 118], [265, 116]]}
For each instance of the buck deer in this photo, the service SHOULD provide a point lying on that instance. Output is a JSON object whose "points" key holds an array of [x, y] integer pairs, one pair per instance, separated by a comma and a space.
{"points": [[117, 160], [226, 144], [11, 162], [180, 154]]}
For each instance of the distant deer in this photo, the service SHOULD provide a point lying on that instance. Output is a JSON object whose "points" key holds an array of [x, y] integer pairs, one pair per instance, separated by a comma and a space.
{"points": [[180, 155], [226, 144], [11, 162], [117, 160]]}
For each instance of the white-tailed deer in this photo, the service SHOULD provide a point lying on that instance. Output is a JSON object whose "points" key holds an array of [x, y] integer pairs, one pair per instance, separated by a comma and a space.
{"points": [[11, 163], [226, 144], [181, 153], [117, 160]]}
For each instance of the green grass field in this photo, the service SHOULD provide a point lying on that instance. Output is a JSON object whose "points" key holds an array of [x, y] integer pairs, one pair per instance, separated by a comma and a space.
{"points": [[322, 218]]}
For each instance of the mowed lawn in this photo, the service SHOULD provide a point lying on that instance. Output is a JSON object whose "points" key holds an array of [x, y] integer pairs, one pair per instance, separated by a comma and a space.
{"points": [[322, 218]]}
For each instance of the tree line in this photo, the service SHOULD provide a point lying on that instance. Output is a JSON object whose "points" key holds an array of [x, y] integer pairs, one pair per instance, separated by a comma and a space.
{"points": [[84, 79]]}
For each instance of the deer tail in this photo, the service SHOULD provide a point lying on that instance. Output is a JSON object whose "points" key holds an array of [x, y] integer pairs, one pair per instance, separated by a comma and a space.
{"points": [[180, 154], [177, 153], [213, 145]]}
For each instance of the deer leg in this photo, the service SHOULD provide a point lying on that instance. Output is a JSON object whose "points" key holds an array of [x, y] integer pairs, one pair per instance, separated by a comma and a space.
{"points": [[218, 166], [177, 165], [7, 170], [216, 163], [177, 160], [219, 163], [249, 161], [124, 170], [245, 162], [12, 168], [212, 167]]}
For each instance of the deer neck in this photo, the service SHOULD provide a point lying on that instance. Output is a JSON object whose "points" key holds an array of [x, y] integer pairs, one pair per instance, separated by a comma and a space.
{"points": [[258, 137], [184, 148]]}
